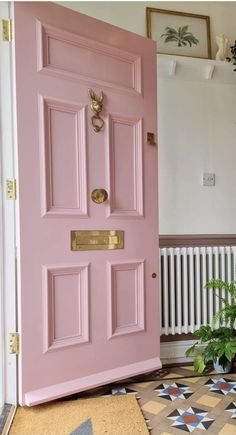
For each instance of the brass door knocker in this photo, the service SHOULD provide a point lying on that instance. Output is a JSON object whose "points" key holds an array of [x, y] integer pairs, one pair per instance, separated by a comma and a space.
{"points": [[96, 107], [97, 123]]}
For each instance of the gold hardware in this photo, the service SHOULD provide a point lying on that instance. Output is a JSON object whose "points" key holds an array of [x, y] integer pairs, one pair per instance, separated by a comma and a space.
{"points": [[11, 188], [96, 107], [154, 275], [14, 343], [97, 123], [99, 196], [7, 30], [151, 138], [96, 240]]}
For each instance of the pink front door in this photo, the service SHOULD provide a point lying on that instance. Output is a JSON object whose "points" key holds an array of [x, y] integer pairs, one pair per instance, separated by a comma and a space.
{"points": [[86, 317]]}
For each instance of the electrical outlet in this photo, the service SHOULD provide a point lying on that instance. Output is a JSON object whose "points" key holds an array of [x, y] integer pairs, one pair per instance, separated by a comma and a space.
{"points": [[208, 179]]}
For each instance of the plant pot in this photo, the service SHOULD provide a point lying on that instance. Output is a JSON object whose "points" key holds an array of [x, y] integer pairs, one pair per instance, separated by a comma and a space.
{"points": [[219, 369]]}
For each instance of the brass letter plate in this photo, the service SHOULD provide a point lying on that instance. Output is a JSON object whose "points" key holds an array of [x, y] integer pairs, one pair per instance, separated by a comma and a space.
{"points": [[96, 240]]}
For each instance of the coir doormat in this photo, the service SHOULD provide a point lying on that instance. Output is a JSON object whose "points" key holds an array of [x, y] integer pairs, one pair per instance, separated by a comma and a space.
{"points": [[117, 415]]}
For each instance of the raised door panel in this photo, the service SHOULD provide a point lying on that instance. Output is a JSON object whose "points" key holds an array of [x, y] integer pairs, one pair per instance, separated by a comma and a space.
{"points": [[80, 58], [125, 167], [125, 297], [63, 158], [65, 302]]}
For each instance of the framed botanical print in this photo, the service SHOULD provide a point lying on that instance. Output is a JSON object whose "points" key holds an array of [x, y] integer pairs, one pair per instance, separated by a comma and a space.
{"points": [[179, 33]]}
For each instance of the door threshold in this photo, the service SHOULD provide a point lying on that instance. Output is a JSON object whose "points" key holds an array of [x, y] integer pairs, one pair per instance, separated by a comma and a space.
{"points": [[7, 422]]}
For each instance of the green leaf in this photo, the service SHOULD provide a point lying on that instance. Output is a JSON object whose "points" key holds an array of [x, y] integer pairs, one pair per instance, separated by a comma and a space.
{"points": [[205, 333], [184, 29], [209, 352], [227, 313], [170, 38], [191, 350], [199, 364], [169, 31], [180, 35], [216, 284], [228, 352]]}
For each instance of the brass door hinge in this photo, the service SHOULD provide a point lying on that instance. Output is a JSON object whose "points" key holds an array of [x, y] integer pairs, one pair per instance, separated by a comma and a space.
{"points": [[11, 188], [14, 343], [7, 30]]}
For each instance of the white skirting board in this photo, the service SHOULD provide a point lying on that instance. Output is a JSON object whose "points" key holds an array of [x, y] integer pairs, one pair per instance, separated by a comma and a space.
{"points": [[174, 351]]}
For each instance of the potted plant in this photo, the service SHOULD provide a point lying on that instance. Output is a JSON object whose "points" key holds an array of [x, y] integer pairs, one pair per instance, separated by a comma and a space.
{"points": [[233, 57], [217, 344]]}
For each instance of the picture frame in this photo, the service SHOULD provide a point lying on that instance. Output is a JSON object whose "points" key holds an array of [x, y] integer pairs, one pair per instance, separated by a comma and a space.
{"points": [[179, 33]]}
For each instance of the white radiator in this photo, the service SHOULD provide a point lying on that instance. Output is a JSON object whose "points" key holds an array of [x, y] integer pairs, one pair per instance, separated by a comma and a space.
{"points": [[185, 304]]}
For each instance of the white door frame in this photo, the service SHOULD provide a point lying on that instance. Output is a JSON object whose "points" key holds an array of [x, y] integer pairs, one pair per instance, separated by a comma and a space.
{"points": [[8, 363]]}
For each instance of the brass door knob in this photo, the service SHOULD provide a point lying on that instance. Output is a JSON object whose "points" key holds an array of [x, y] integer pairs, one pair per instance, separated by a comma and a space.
{"points": [[99, 196]]}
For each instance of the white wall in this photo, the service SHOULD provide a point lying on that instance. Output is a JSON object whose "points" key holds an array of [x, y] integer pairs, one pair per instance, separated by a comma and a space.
{"points": [[197, 133], [132, 15], [196, 127]]}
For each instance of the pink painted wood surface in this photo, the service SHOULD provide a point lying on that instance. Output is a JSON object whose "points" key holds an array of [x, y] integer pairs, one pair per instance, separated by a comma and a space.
{"points": [[92, 381], [126, 297], [63, 328], [78, 328]]}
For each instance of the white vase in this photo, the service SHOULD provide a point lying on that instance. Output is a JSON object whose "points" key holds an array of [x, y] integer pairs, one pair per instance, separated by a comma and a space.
{"points": [[223, 44], [219, 369]]}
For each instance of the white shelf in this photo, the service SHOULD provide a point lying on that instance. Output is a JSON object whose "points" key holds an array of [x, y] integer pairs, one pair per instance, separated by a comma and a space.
{"points": [[189, 68]]}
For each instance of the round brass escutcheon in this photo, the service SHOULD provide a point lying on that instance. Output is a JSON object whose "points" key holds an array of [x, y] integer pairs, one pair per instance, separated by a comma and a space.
{"points": [[154, 275], [99, 196]]}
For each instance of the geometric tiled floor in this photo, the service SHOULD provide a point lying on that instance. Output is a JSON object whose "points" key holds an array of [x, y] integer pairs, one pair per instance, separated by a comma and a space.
{"points": [[194, 404], [176, 401]]}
